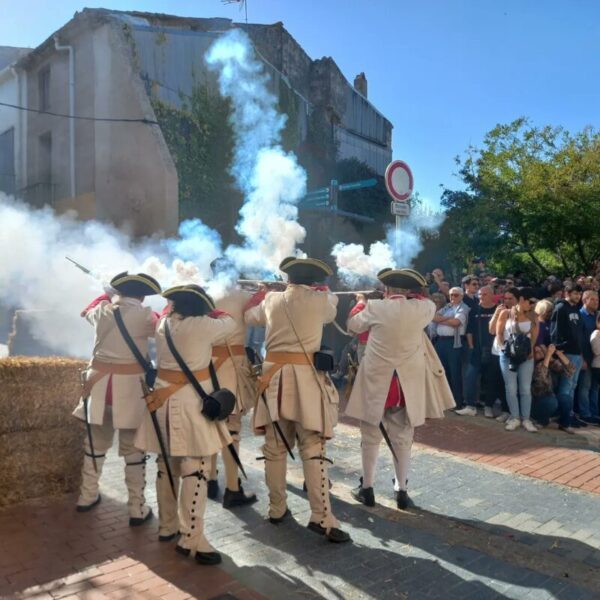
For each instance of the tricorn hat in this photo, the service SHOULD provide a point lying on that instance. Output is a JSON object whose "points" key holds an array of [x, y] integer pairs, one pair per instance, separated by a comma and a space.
{"points": [[192, 293], [135, 285], [305, 270], [407, 279]]}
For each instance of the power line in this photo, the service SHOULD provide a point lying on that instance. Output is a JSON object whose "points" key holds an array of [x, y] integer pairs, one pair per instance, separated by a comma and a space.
{"points": [[63, 116]]}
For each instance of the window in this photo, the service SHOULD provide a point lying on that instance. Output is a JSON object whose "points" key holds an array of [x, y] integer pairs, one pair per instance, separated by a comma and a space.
{"points": [[44, 88], [45, 159], [7, 161]]}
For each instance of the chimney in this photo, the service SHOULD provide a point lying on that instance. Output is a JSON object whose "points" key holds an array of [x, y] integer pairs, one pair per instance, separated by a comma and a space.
{"points": [[360, 84]]}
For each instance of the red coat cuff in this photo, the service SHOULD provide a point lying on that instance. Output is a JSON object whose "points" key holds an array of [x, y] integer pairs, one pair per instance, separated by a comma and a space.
{"points": [[94, 303], [255, 300], [358, 308]]}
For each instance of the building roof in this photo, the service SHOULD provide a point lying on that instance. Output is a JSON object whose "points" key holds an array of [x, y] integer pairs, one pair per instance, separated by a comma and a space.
{"points": [[10, 54]]}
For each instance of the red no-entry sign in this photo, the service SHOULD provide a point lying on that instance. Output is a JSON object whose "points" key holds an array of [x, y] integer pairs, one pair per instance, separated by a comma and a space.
{"points": [[399, 180]]}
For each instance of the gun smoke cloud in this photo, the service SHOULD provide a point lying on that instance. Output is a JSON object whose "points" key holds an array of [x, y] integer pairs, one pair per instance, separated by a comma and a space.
{"points": [[357, 267], [36, 278], [271, 179]]}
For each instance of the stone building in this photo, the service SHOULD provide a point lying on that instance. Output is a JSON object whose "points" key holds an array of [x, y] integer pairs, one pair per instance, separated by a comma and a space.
{"points": [[106, 64]]}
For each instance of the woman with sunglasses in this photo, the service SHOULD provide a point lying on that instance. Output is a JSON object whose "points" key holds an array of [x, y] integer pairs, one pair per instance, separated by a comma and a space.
{"points": [[513, 323]]}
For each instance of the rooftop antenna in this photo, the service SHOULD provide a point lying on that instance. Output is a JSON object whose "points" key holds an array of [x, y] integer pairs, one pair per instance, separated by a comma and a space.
{"points": [[243, 4]]}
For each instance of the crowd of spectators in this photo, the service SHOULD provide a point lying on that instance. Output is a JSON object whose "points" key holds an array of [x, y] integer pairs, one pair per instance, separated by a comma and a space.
{"points": [[525, 353]]}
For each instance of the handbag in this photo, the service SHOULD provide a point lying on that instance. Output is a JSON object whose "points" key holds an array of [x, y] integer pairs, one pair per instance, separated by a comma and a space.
{"points": [[517, 347], [216, 406], [146, 364]]}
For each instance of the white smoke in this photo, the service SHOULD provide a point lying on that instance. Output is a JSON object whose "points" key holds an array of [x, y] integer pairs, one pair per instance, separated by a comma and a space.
{"points": [[35, 277], [357, 267], [271, 179]]}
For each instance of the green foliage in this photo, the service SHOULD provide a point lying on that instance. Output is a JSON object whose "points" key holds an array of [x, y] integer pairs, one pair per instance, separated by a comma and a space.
{"points": [[200, 139], [531, 200]]}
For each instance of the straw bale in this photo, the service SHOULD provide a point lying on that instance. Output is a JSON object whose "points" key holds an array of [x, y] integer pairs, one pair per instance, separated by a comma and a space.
{"points": [[38, 393], [40, 463]]}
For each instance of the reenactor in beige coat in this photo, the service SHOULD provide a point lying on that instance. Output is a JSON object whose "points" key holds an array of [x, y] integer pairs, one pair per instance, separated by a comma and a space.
{"points": [[234, 372], [190, 438], [112, 396], [400, 381], [296, 396]]}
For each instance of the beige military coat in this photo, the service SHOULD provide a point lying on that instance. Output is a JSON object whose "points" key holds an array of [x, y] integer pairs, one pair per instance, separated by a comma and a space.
{"points": [[128, 405], [235, 373], [397, 342], [184, 427], [307, 397]]}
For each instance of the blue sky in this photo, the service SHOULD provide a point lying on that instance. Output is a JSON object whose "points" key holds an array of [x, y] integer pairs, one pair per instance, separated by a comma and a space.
{"points": [[443, 71]]}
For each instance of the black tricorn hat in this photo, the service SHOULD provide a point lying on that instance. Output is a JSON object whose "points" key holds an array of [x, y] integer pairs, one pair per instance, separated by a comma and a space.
{"points": [[192, 293], [135, 285], [406, 279], [305, 270]]}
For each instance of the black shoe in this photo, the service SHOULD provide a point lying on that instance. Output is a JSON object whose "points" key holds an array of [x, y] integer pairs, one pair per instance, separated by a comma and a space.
{"points": [[590, 420], [566, 429], [208, 558], [335, 535], [237, 498], [578, 423], [181, 550], [212, 489], [403, 501], [282, 518], [168, 538], [88, 507], [364, 495], [137, 521]]}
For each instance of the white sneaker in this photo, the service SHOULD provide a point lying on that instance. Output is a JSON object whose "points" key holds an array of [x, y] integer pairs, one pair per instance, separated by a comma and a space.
{"points": [[488, 412], [502, 417], [467, 411], [512, 424], [529, 426]]}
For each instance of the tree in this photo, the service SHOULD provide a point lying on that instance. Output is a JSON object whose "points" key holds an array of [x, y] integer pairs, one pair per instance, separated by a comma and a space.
{"points": [[531, 200]]}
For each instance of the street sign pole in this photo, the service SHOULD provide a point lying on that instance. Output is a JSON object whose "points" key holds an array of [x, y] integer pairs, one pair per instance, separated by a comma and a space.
{"points": [[399, 183]]}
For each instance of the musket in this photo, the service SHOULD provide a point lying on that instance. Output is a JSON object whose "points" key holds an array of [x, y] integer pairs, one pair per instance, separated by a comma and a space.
{"points": [[88, 426], [163, 449], [109, 290], [255, 361], [86, 271]]}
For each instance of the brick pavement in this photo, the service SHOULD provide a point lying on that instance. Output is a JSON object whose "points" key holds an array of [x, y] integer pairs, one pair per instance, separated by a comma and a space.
{"points": [[536, 455], [479, 533]]}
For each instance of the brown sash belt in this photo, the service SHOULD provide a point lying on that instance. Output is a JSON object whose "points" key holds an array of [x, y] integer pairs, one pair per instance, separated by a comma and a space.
{"points": [[177, 379], [116, 369], [280, 359], [102, 369], [221, 353]]}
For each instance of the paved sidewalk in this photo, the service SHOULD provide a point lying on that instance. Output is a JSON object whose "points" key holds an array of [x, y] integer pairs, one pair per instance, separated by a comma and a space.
{"points": [[479, 533]]}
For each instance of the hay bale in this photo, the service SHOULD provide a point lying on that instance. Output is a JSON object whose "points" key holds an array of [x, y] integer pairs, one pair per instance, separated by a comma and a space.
{"points": [[38, 393], [40, 463], [40, 442]]}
